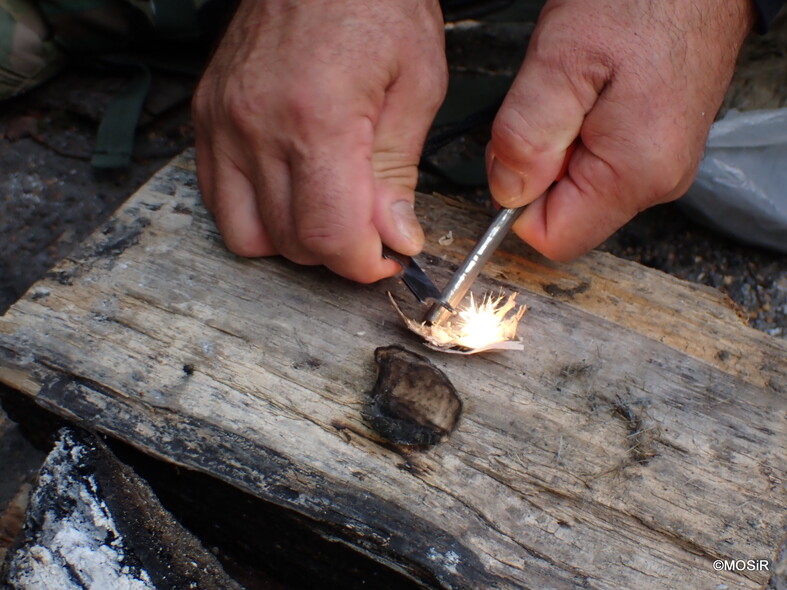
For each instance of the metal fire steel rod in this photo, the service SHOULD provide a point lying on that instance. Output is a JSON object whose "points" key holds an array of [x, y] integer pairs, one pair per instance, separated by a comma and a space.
{"points": [[469, 270]]}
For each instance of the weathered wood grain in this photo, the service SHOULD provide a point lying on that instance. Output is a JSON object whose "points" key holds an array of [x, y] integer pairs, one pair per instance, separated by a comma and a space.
{"points": [[640, 436]]}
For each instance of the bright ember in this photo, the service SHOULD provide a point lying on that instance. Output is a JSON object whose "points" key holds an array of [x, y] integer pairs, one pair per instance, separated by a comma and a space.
{"points": [[476, 327]]}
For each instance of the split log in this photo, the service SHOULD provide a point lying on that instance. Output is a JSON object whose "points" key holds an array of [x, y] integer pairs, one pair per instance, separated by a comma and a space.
{"points": [[638, 438]]}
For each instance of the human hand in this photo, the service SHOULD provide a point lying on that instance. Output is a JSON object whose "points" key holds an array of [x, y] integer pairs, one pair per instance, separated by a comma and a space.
{"points": [[310, 120], [639, 83]]}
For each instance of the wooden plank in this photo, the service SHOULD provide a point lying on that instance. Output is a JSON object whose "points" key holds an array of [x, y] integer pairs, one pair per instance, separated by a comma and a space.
{"points": [[638, 437]]}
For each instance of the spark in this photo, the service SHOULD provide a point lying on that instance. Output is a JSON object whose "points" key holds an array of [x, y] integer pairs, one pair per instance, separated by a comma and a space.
{"points": [[482, 325]]}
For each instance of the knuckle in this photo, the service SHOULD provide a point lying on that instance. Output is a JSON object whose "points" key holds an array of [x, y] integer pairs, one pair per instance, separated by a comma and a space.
{"points": [[606, 185], [325, 238], [242, 109], [596, 177], [308, 111], [303, 106], [508, 136]]}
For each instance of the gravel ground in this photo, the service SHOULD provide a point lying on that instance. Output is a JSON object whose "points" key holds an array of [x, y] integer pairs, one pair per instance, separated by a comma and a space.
{"points": [[50, 199]]}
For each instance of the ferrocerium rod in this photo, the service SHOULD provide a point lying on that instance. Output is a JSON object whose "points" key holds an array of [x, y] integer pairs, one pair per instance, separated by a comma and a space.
{"points": [[469, 270]]}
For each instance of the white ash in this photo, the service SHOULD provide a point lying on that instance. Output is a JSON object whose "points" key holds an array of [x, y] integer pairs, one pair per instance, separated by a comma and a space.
{"points": [[79, 545]]}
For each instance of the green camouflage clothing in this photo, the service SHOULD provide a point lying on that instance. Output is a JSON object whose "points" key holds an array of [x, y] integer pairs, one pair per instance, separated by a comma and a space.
{"points": [[37, 35], [28, 54]]}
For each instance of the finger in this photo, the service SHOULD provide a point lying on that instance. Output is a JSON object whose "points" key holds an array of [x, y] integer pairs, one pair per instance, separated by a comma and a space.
{"points": [[540, 117], [235, 210], [587, 206], [571, 219], [333, 205], [274, 194], [204, 161]]}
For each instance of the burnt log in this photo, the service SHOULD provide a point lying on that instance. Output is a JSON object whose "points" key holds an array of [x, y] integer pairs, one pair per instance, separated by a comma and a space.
{"points": [[93, 523]]}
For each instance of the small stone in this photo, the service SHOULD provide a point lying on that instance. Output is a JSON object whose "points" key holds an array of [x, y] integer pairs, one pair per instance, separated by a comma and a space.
{"points": [[413, 402]]}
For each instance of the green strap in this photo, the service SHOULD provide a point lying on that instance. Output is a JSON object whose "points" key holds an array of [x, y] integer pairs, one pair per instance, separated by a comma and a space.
{"points": [[115, 138]]}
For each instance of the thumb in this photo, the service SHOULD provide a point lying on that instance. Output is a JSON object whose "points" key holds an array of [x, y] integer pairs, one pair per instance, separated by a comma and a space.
{"points": [[540, 118]]}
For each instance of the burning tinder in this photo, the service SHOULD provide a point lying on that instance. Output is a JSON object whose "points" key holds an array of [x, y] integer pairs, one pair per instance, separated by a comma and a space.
{"points": [[488, 324]]}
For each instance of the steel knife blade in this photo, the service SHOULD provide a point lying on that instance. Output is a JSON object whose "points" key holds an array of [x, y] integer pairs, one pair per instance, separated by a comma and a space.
{"points": [[415, 278]]}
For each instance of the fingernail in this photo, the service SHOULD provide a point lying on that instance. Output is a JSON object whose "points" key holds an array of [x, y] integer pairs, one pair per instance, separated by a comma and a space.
{"points": [[507, 185], [406, 222]]}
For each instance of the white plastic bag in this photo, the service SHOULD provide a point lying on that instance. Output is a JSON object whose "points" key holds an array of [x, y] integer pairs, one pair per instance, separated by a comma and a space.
{"points": [[741, 187]]}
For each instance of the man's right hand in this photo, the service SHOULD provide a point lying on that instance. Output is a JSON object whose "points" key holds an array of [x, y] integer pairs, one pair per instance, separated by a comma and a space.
{"points": [[310, 120], [639, 84]]}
